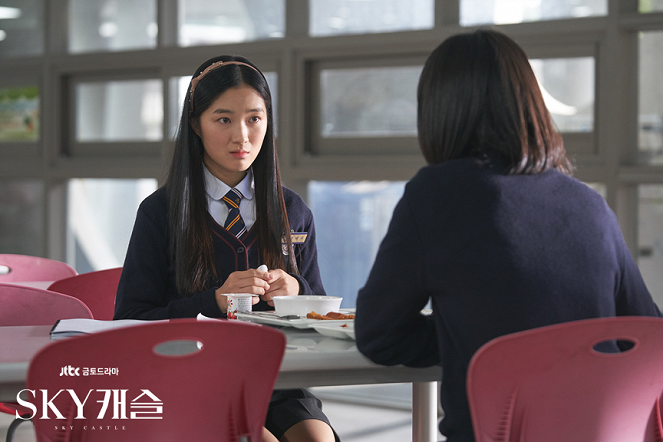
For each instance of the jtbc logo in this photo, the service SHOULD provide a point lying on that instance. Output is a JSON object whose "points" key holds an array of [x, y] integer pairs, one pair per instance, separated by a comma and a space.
{"points": [[70, 371]]}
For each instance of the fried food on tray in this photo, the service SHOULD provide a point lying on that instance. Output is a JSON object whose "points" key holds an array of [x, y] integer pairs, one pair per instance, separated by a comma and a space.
{"points": [[337, 315], [314, 315], [331, 316]]}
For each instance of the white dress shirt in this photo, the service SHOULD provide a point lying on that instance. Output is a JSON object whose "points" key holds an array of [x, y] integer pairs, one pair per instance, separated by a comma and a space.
{"points": [[216, 189]]}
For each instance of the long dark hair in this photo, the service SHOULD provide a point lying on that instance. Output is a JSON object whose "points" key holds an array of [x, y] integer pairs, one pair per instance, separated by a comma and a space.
{"points": [[478, 95], [190, 234]]}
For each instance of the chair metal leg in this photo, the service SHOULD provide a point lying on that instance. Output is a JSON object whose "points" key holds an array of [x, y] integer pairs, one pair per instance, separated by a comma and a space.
{"points": [[12, 429]]}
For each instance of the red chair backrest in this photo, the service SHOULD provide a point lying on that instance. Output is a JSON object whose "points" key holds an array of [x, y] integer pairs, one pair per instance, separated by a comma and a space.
{"points": [[32, 268], [96, 289], [220, 392], [31, 306], [549, 384]]}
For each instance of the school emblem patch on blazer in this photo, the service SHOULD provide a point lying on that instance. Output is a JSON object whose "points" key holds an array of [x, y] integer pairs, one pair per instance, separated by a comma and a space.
{"points": [[296, 238]]}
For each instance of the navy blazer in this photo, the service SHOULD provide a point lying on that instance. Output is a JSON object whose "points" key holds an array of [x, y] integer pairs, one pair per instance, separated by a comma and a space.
{"points": [[495, 254], [147, 287]]}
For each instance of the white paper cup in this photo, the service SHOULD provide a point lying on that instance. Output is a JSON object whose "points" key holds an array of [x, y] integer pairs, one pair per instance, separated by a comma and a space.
{"points": [[238, 303]]}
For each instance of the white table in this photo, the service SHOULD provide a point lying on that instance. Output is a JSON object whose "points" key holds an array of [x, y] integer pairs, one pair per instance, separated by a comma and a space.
{"points": [[310, 360]]}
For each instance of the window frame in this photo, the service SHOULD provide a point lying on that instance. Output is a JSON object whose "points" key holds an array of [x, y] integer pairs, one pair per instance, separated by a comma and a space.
{"points": [[608, 155]]}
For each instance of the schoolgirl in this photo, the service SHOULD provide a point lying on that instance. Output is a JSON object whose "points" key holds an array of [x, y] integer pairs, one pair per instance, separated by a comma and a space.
{"points": [[221, 214]]}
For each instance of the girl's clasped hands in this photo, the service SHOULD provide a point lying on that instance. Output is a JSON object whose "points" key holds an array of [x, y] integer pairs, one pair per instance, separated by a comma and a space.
{"points": [[261, 282]]}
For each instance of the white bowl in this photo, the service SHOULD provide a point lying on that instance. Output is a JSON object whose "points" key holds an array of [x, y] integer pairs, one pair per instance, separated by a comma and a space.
{"points": [[301, 305]]}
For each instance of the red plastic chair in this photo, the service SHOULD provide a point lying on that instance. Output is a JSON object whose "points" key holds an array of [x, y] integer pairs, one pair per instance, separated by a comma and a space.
{"points": [[96, 289], [21, 305], [549, 384], [32, 268], [219, 393], [31, 306]]}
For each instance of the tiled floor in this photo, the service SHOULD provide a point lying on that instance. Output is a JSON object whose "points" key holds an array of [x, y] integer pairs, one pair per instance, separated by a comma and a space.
{"points": [[377, 414]]}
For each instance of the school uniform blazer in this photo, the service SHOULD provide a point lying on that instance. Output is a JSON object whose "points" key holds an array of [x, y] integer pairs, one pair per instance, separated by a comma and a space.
{"points": [[147, 287], [495, 254]]}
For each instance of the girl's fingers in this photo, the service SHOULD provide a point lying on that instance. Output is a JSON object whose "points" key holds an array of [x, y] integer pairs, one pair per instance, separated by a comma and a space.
{"points": [[264, 275]]}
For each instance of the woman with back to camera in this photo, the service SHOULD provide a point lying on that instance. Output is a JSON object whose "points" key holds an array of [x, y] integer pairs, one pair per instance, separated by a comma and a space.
{"points": [[494, 231], [221, 214]]}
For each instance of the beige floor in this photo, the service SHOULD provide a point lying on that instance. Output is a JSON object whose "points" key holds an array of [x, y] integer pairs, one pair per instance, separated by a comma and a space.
{"points": [[25, 433], [383, 415]]}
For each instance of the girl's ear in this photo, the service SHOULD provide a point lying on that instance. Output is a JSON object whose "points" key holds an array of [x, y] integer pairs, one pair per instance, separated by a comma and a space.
{"points": [[196, 127]]}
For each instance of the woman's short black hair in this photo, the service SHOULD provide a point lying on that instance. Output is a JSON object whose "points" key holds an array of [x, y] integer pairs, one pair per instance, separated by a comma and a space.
{"points": [[478, 95]]}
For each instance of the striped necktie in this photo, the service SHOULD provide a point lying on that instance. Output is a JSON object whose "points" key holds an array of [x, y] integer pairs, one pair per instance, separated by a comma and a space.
{"points": [[234, 223]]}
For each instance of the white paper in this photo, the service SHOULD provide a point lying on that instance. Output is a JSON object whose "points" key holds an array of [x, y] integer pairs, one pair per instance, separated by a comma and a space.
{"points": [[77, 326]]}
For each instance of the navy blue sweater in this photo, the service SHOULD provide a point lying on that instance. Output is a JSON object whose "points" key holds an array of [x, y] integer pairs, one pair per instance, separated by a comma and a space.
{"points": [[147, 287], [495, 254]]}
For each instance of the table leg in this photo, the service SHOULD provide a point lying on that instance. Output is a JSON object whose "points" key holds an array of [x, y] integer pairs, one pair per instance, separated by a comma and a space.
{"points": [[424, 411]]}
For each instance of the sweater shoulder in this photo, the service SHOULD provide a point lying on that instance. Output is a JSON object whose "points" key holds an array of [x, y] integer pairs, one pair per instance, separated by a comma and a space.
{"points": [[156, 200], [155, 207], [294, 203]]}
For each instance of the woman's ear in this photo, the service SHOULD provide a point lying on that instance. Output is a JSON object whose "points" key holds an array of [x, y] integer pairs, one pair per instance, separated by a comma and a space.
{"points": [[196, 127]]}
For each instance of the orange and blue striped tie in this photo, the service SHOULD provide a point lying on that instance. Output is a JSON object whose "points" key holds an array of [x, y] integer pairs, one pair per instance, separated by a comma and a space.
{"points": [[234, 223]]}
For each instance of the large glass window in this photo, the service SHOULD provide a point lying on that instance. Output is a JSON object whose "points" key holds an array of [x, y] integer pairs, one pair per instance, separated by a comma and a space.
{"points": [[650, 238], [477, 12], [374, 102], [351, 218], [568, 89], [369, 102], [205, 22], [21, 28], [600, 188], [119, 111], [331, 17], [112, 25], [650, 118], [100, 219], [22, 217]]}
